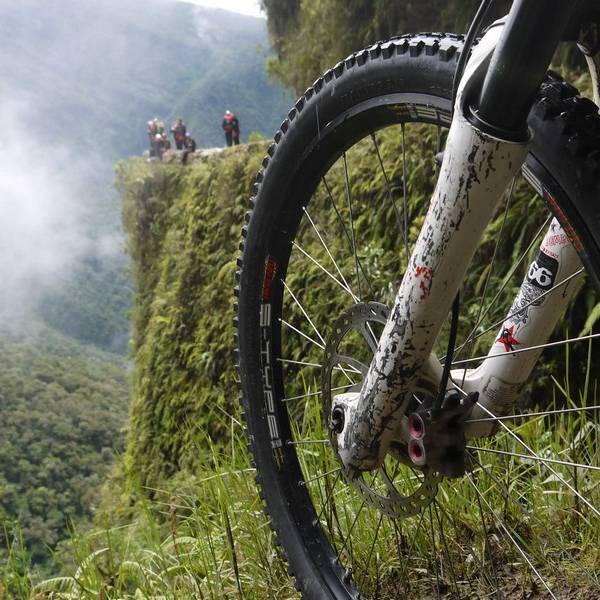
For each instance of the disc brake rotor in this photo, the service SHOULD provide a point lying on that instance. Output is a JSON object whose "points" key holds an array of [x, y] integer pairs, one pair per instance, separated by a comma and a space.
{"points": [[387, 492]]}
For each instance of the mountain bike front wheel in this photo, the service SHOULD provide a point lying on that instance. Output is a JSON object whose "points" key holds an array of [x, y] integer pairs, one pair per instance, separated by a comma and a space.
{"points": [[338, 205]]}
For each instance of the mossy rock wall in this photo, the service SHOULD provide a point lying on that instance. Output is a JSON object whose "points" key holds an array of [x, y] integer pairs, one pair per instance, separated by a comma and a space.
{"points": [[183, 225]]}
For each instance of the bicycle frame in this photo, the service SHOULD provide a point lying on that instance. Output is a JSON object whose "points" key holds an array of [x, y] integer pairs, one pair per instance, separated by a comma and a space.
{"points": [[486, 147]]}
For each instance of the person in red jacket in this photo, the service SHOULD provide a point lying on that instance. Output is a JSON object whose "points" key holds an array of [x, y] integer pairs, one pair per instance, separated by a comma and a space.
{"points": [[178, 130], [231, 127]]}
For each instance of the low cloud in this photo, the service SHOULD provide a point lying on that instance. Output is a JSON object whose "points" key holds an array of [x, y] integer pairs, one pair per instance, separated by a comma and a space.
{"points": [[43, 200]]}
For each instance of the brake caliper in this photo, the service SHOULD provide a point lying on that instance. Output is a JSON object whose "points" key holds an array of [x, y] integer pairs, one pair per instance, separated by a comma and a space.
{"points": [[437, 435]]}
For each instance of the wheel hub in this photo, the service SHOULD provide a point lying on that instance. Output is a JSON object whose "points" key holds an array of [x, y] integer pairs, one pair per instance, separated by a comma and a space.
{"points": [[400, 488]]}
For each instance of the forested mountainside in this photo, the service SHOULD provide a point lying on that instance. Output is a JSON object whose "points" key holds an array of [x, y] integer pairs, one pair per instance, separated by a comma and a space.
{"points": [[182, 227], [97, 71], [82, 80], [63, 409]]}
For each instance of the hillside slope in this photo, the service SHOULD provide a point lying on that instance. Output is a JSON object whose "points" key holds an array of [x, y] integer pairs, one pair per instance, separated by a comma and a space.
{"points": [[64, 409], [82, 79]]}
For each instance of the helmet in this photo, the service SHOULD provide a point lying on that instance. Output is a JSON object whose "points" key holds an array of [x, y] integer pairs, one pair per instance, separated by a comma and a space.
{"points": [[158, 137], [188, 135], [228, 112]]}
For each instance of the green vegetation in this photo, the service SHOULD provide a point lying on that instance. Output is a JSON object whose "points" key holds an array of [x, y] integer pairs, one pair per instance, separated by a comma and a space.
{"points": [[91, 302], [205, 536], [183, 226], [312, 36], [180, 516], [183, 234], [63, 412]]}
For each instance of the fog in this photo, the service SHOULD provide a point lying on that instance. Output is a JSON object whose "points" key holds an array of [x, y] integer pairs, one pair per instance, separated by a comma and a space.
{"points": [[44, 199]]}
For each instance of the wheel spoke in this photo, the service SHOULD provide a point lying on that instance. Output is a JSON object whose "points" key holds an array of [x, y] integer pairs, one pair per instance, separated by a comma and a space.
{"points": [[531, 515], [366, 570], [353, 525], [480, 562], [312, 479], [388, 188], [528, 349], [399, 538], [435, 553], [544, 460], [507, 278], [328, 496], [544, 413], [304, 335], [348, 237], [304, 312], [337, 268], [352, 233], [521, 309], [511, 538], [356, 365], [446, 548], [316, 262], [316, 393], [412, 545], [540, 459], [299, 362]]}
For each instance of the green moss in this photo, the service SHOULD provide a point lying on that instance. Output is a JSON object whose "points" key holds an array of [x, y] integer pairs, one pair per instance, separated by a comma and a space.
{"points": [[183, 226]]}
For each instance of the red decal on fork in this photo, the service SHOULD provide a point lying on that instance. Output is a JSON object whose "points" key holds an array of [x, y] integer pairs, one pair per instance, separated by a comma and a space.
{"points": [[424, 273], [507, 339]]}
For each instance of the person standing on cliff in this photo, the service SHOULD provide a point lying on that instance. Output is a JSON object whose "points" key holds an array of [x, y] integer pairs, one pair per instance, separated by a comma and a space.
{"points": [[189, 147], [152, 130], [178, 130], [231, 127]]}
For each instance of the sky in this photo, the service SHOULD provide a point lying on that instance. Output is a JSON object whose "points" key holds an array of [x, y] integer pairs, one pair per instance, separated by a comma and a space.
{"points": [[245, 7]]}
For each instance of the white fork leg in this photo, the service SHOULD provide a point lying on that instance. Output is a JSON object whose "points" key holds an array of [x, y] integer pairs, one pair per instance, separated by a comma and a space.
{"points": [[499, 380], [476, 170]]}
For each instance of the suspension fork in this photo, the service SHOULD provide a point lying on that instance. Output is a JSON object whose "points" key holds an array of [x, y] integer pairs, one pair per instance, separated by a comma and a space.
{"points": [[487, 144]]}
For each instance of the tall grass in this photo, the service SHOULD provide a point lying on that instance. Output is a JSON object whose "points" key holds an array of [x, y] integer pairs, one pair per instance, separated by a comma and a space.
{"points": [[204, 536], [468, 539]]}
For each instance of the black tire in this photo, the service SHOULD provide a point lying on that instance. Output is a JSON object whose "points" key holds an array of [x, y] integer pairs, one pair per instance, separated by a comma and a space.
{"points": [[358, 96]]}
